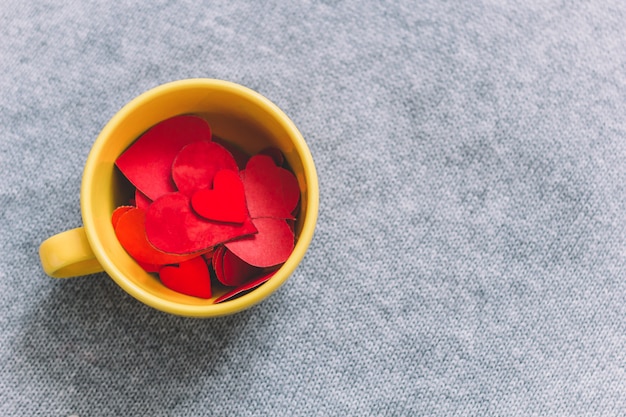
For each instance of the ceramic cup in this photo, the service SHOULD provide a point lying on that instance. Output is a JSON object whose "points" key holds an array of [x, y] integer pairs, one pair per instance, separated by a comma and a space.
{"points": [[235, 113]]}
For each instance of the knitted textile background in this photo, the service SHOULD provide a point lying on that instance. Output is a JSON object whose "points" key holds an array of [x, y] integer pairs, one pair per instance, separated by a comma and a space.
{"points": [[470, 254]]}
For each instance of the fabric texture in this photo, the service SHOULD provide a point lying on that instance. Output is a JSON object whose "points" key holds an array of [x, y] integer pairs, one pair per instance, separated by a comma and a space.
{"points": [[470, 253]]}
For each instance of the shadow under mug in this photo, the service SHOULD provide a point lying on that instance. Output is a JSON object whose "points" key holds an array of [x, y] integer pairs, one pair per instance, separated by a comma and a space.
{"points": [[236, 114]]}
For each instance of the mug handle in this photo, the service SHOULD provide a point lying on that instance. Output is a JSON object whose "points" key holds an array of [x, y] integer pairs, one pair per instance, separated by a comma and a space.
{"points": [[68, 254]]}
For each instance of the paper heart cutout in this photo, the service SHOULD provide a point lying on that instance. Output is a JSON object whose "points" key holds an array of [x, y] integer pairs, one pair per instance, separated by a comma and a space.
{"points": [[269, 189], [230, 270], [291, 190], [235, 271], [289, 182], [241, 158], [196, 164], [271, 246], [118, 212], [141, 200], [131, 233], [216, 262], [147, 163], [225, 202], [245, 287], [191, 278], [172, 226], [149, 267], [275, 154]]}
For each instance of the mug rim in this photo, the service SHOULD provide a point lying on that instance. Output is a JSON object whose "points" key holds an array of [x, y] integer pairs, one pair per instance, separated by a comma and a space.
{"points": [[229, 306]]}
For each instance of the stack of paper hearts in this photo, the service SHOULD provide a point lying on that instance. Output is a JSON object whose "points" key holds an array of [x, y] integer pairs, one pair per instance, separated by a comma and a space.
{"points": [[203, 208]]}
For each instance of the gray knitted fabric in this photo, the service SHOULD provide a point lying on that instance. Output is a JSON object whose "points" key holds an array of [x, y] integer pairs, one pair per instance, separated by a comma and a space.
{"points": [[470, 254]]}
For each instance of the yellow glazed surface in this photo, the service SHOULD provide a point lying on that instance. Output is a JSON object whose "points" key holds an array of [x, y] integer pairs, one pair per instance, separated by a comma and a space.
{"points": [[235, 113]]}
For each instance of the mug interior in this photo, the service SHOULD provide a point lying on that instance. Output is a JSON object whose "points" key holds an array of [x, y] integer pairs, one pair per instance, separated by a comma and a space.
{"points": [[236, 114]]}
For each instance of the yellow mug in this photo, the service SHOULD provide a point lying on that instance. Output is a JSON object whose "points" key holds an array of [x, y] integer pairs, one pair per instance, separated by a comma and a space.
{"points": [[240, 115]]}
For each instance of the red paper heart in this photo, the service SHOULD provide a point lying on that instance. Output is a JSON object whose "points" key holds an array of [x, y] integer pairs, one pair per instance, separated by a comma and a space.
{"points": [[269, 189], [196, 164], [141, 200], [291, 190], [237, 272], [118, 212], [271, 246], [275, 154], [240, 156], [147, 163], [191, 278], [230, 270], [149, 267], [131, 233], [172, 226], [216, 262], [226, 202], [245, 287]]}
